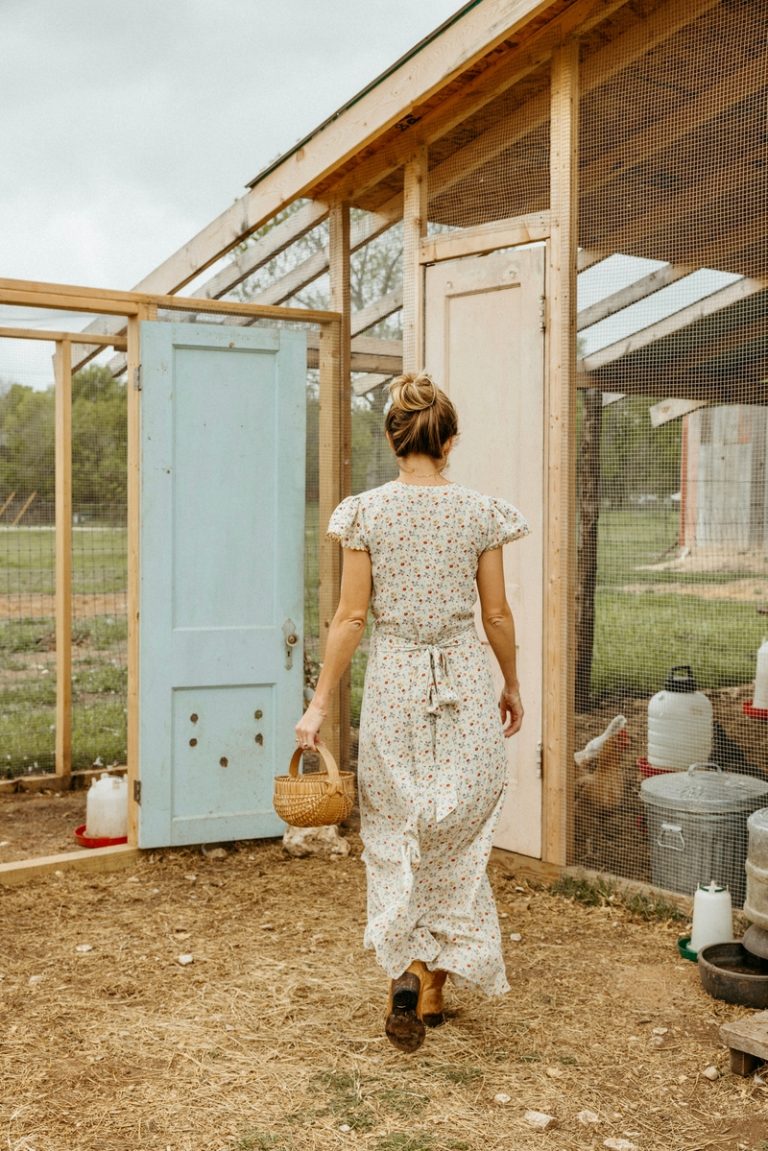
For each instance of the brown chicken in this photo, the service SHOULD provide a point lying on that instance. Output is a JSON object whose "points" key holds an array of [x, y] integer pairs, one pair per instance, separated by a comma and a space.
{"points": [[601, 786]]}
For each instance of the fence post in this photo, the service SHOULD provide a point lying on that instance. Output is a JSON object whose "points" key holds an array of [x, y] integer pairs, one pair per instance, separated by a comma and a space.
{"points": [[62, 366]]}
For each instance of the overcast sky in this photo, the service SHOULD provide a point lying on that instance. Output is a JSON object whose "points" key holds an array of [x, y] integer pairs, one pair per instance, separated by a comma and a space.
{"points": [[126, 127]]}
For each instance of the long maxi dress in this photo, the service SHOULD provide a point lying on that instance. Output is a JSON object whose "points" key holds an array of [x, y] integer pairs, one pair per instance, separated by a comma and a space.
{"points": [[431, 761]]}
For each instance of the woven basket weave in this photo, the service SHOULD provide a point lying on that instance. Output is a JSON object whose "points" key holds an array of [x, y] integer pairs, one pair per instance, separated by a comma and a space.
{"points": [[318, 799]]}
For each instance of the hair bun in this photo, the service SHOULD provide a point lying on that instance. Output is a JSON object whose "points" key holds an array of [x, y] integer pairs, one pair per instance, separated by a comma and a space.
{"points": [[413, 392]]}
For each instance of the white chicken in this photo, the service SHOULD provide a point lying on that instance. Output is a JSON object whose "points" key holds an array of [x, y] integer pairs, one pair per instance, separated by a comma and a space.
{"points": [[601, 786]]}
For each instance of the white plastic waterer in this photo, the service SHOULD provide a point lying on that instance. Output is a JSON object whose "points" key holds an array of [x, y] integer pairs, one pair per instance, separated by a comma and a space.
{"points": [[106, 812], [760, 695], [679, 723], [712, 916]]}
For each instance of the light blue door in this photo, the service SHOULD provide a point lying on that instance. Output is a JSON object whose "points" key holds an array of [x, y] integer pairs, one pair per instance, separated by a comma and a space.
{"points": [[221, 577]]}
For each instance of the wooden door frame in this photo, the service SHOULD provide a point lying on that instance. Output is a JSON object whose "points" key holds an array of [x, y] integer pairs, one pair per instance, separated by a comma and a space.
{"points": [[135, 307], [558, 314]]}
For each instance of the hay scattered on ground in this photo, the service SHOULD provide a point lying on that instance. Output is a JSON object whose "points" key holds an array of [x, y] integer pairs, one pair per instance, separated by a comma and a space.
{"points": [[271, 1038]]}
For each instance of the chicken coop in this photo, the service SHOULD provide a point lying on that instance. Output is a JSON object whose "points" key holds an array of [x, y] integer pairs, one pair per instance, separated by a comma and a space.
{"points": [[559, 210]]}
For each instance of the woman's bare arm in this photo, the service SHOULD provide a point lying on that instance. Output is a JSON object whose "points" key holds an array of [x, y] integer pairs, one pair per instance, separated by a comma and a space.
{"points": [[499, 625], [344, 635]]}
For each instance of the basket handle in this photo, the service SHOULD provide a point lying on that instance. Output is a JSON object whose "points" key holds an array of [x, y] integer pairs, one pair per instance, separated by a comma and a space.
{"points": [[334, 779]]}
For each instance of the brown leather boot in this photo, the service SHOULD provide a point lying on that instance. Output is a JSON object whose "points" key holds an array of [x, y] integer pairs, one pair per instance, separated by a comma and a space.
{"points": [[403, 1027], [430, 1005]]}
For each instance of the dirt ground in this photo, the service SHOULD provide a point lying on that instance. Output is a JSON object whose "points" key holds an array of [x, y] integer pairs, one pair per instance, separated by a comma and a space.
{"points": [[271, 1037]]}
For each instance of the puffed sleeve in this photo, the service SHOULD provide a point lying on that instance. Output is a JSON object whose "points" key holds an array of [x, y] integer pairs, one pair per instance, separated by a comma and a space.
{"points": [[505, 523], [346, 525]]}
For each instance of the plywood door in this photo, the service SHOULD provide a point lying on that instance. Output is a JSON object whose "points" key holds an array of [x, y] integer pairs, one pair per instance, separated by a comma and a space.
{"points": [[221, 577], [485, 345]]}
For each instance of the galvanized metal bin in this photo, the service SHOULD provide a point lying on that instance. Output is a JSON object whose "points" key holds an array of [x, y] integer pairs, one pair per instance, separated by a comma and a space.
{"points": [[697, 827]]}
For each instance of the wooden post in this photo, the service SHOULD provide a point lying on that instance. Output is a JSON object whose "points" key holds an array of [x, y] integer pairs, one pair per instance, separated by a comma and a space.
{"points": [[560, 574], [415, 191], [335, 455], [589, 515], [331, 469], [62, 366], [133, 402]]}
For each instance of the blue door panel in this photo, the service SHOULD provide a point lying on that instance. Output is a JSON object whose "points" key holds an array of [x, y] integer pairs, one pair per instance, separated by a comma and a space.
{"points": [[221, 573]]}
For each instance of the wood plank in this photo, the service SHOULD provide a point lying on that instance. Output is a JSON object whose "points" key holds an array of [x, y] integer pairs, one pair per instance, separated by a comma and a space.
{"points": [[275, 241], [377, 311], [62, 367], [749, 1035], [338, 440], [133, 398], [640, 289], [56, 337], [415, 193], [331, 490], [601, 66], [367, 353], [672, 409], [486, 237], [508, 69], [560, 417], [708, 306], [96, 859]]}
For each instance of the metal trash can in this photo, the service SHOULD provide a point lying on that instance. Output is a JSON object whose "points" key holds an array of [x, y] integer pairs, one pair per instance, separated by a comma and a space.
{"points": [[697, 827]]}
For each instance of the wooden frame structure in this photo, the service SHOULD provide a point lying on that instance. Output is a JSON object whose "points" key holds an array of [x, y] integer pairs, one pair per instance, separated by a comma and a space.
{"points": [[500, 77], [130, 309]]}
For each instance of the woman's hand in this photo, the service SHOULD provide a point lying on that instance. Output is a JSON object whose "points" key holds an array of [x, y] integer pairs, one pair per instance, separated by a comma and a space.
{"points": [[511, 708], [309, 725]]}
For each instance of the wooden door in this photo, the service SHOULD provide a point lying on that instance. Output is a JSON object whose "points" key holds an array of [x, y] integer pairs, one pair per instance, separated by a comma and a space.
{"points": [[221, 577], [485, 345]]}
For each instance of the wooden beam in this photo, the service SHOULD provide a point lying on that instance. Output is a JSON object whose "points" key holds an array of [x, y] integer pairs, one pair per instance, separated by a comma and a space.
{"points": [[331, 492], [485, 237], [377, 311], [133, 399], [96, 859], [671, 409], [62, 368], [414, 229], [336, 438], [606, 62], [705, 104], [77, 298], [508, 69], [708, 306], [640, 289], [560, 416], [23, 509], [57, 337], [261, 251], [368, 354]]}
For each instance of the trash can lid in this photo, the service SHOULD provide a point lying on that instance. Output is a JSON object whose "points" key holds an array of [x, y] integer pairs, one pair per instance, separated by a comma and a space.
{"points": [[705, 788]]}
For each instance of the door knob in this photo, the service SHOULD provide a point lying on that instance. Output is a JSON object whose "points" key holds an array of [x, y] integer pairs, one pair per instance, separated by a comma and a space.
{"points": [[291, 639]]}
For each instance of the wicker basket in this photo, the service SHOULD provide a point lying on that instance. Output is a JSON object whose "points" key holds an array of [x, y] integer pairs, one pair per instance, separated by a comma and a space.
{"points": [[318, 799]]}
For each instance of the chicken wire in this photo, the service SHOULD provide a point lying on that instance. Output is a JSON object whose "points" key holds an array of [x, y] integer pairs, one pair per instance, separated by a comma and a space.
{"points": [[672, 497]]}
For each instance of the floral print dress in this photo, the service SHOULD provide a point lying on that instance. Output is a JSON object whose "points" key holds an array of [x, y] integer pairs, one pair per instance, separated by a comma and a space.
{"points": [[431, 762]]}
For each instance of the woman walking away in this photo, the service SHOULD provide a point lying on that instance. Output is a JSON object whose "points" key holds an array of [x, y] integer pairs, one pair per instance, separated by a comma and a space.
{"points": [[431, 765]]}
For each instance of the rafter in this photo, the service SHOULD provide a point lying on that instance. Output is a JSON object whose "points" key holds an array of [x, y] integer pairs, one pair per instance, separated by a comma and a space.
{"points": [[677, 321]]}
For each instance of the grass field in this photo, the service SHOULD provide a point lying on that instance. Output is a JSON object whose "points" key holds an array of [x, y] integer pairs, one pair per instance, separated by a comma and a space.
{"points": [[648, 618]]}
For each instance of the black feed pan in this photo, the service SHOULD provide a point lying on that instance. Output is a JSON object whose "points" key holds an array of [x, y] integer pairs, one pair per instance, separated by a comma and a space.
{"points": [[728, 971]]}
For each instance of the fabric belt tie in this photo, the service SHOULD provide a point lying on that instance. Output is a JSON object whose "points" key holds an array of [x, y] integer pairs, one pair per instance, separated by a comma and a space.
{"points": [[440, 692]]}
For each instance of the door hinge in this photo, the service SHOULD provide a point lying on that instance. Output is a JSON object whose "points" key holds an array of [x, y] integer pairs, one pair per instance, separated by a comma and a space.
{"points": [[543, 313], [137, 791], [137, 378], [540, 760]]}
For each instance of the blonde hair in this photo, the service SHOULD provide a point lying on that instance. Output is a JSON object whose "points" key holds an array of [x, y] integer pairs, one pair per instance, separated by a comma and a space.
{"points": [[421, 419]]}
